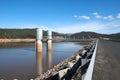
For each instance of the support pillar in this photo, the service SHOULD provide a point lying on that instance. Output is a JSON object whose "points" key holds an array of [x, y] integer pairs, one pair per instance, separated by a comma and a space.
{"points": [[49, 40], [39, 36]]}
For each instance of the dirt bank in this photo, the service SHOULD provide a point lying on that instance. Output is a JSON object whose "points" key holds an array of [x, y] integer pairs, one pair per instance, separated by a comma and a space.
{"points": [[16, 40]]}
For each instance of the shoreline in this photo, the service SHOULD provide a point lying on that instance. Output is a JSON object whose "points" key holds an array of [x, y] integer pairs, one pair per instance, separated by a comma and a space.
{"points": [[6, 40]]}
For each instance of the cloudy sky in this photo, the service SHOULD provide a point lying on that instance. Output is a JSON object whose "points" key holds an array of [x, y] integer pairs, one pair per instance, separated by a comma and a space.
{"points": [[65, 16]]}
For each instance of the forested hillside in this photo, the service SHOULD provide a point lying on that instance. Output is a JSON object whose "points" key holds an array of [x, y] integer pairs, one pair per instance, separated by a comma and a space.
{"points": [[17, 33], [31, 33], [88, 35], [21, 33]]}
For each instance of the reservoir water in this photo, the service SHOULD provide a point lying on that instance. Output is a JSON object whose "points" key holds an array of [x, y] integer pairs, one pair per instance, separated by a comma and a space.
{"points": [[18, 60]]}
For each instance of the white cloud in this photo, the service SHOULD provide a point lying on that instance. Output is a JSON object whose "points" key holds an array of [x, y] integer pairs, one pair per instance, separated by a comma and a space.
{"points": [[110, 17], [97, 15], [76, 16], [90, 26], [118, 16], [82, 17], [116, 25], [38, 26], [30, 26], [94, 26], [85, 17]]}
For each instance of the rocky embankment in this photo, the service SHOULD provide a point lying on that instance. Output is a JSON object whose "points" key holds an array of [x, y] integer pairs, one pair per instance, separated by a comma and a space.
{"points": [[67, 69]]}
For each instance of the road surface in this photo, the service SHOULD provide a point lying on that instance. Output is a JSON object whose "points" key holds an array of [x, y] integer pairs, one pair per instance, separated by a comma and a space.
{"points": [[107, 62]]}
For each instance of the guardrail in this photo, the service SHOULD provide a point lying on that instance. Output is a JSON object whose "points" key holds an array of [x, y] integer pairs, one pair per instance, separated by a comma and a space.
{"points": [[88, 74]]}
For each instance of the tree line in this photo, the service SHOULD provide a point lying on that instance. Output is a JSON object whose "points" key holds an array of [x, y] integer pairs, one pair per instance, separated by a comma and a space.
{"points": [[31, 33], [22, 33]]}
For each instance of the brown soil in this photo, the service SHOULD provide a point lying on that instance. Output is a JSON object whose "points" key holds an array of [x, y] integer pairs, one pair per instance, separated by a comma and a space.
{"points": [[16, 40]]}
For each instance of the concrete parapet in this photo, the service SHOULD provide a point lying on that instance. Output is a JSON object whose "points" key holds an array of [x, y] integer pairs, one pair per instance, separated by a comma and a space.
{"points": [[89, 72]]}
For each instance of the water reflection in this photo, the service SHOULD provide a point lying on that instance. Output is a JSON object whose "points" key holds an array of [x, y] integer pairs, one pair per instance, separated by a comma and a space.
{"points": [[49, 59], [16, 45], [38, 63], [25, 61]]}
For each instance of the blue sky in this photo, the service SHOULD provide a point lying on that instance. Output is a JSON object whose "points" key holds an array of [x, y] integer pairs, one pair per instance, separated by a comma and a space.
{"points": [[65, 16]]}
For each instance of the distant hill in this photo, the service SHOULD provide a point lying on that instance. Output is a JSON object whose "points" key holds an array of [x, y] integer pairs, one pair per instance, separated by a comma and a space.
{"points": [[31, 33], [115, 36], [86, 35], [17, 33]]}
